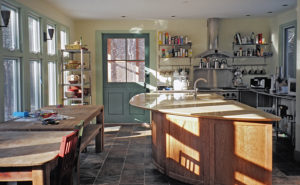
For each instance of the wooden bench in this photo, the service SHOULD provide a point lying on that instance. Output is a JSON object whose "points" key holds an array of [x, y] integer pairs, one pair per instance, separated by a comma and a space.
{"points": [[90, 132]]}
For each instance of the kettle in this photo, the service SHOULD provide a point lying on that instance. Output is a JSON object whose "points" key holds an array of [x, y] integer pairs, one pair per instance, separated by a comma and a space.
{"points": [[184, 81], [223, 63], [216, 64]]}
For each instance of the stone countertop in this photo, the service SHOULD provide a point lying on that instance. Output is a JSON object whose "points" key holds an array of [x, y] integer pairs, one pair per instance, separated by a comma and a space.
{"points": [[206, 105]]}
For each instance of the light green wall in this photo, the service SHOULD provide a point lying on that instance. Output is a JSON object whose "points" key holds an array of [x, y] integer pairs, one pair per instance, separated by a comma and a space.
{"points": [[297, 148], [91, 30], [48, 10], [245, 26], [196, 29]]}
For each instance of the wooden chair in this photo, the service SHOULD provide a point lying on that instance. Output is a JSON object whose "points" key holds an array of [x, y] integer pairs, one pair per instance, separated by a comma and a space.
{"points": [[67, 156], [80, 127]]}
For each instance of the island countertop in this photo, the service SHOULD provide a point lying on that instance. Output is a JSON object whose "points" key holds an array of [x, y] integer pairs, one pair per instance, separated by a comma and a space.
{"points": [[206, 105]]}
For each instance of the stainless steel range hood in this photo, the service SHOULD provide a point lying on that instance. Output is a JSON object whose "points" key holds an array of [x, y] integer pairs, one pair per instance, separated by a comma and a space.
{"points": [[213, 40]]}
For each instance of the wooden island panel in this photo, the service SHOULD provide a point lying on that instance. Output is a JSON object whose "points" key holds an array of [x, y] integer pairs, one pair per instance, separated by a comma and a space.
{"points": [[208, 151]]}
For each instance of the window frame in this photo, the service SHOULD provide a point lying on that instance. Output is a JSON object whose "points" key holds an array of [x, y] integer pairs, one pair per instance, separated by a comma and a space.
{"points": [[37, 54], [17, 81], [56, 81], [126, 59], [24, 56], [18, 31], [40, 84], [55, 35], [282, 46]]}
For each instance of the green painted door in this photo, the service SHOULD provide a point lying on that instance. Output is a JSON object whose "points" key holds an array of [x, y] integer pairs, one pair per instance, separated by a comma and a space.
{"points": [[125, 58]]}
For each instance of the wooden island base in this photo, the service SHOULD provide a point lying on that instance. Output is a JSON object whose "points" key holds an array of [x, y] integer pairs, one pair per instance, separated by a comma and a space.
{"points": [[200, 150]]}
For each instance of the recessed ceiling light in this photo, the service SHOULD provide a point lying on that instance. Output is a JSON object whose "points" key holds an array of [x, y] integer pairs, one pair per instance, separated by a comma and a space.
{"points": [[123, 16], [284, 5], [173, 16], [248, 15], [270, 12]]}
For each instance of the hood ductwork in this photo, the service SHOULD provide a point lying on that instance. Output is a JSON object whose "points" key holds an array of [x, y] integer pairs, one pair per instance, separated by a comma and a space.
{"points": [[213, 40]]}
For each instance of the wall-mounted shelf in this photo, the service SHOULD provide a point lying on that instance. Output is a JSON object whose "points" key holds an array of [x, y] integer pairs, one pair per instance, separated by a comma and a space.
{"points": [[176, 45], [182, 57], [248, 64], [251, 57], [251, 44]]}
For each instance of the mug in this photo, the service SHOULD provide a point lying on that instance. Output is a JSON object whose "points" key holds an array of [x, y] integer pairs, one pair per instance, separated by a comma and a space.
{"points": [[251, 71]]}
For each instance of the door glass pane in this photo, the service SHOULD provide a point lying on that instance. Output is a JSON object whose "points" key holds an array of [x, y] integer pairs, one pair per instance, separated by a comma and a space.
{"points": [[11, 87], [116, 49], [10, 34], [51, 50], [136, 49], [116, 71], [34, 35], [52, 82], [136, 71], [35, 85], [290, 52]]}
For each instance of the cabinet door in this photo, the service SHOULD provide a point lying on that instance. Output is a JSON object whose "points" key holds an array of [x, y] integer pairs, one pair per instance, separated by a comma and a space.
{"points": [[248, 98]]}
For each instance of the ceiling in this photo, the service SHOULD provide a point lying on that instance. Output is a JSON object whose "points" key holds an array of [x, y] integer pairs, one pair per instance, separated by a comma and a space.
{"points": [[165, 9]]}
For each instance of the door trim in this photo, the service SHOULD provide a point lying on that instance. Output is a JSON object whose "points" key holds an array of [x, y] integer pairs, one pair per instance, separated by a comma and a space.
{"points": [[97, 92]]}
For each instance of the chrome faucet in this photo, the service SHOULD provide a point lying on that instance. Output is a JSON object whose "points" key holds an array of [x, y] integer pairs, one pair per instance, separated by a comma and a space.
{"points": [[195, 85]]}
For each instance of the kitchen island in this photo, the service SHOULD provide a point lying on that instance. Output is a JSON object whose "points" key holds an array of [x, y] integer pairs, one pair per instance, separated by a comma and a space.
{"points": [[209, 140]]}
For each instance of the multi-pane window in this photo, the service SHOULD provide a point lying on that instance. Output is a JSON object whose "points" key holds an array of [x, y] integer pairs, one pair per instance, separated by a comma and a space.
{"points": [[34, 34], [10, 35], [289, 52], [51, 49], [52, 82], [11, 87], [35, 85], [126, 60]]}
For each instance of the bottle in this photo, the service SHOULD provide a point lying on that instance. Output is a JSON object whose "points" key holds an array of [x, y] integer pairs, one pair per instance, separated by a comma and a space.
{"points": [[163, 37], [190, 52], [80, 41], [167, 38], [252, 38], [173, 52], [160, 38], [163, 53]]}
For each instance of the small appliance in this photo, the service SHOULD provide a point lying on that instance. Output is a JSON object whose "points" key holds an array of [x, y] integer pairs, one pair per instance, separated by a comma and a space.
{"points": [[292, 86], [260, 83]]}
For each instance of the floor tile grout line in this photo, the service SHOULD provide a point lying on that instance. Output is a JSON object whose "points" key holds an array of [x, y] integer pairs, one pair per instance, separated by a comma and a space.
{"points": [[125, 157], [105, 159]]}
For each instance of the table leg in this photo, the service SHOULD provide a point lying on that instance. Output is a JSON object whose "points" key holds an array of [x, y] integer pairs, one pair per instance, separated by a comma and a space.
{"points": [[99, 139], [39, 176]]}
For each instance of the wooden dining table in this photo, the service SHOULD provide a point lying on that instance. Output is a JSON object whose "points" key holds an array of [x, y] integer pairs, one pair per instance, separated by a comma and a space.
{"points": [[77, 114], [29, 155], [29, 149]]}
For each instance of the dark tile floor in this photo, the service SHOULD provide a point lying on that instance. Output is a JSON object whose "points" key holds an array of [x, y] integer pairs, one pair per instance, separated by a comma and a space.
{"points": [[126, 160]]}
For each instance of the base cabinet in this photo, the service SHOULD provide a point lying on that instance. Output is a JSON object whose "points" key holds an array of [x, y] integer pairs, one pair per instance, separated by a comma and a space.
{"points": [[212, 151]]}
